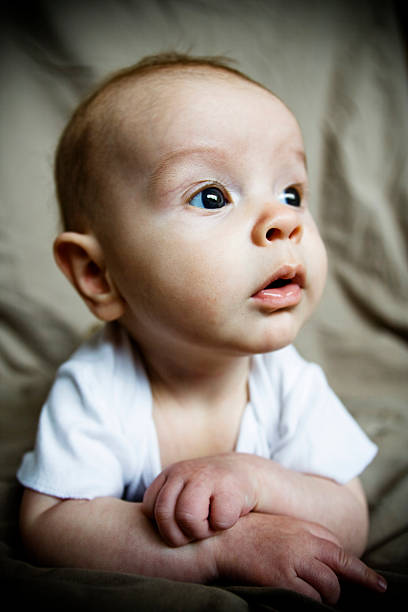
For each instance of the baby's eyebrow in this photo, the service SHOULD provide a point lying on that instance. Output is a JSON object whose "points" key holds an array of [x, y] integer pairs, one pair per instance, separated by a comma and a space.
{"points": [[302, 156], [177, 156]]}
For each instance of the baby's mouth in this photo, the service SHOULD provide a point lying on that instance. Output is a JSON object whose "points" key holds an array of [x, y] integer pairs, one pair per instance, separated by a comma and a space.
{"points": [[283, 289], [279, 282], [284, 276]]}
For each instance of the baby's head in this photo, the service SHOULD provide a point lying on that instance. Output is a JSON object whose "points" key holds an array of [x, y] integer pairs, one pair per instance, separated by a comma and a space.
{"points": [[183, 190]]}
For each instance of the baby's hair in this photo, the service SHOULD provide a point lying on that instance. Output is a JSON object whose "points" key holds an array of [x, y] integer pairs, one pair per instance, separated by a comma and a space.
{"points": [[82, 139]]}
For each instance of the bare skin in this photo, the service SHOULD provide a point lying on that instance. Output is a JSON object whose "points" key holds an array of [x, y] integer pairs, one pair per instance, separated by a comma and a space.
{"points": [[111, 534], [194, 499]]}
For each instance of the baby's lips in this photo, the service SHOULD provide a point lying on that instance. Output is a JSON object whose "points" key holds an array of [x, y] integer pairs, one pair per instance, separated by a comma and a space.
{"points": [[288, 272]]}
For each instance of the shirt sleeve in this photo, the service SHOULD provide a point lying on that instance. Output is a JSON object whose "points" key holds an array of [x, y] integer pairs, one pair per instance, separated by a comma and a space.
{"points": [[79, 450], [317, 434]]}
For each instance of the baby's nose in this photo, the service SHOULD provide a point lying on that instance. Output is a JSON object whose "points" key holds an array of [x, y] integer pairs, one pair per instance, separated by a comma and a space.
{"points": [[281, 223]]}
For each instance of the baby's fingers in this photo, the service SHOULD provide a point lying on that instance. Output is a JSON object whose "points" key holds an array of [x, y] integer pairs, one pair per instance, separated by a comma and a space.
{"points": [[351, 568], [226, 508], [161, 506], [192, 510], [321, 579], [151, 493], [201, 511]]}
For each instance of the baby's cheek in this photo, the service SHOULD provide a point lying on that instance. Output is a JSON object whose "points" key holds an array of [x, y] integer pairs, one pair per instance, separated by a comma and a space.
{"points": [[319, 272], [315, 260]]}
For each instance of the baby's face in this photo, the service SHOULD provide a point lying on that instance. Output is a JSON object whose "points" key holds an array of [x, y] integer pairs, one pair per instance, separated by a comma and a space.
{"points": [[209, 238]]}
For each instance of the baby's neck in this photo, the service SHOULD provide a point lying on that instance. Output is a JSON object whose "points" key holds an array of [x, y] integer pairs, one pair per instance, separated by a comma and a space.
{"points": [[198, 413], [200, 383], [199, 396]]}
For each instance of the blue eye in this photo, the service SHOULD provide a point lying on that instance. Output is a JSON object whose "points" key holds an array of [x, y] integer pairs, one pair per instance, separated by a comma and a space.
{"points": [[291, 196], [209, 198]]}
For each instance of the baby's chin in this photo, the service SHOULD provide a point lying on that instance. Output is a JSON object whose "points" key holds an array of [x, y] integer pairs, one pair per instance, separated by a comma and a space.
{"points": [[276, 333]]}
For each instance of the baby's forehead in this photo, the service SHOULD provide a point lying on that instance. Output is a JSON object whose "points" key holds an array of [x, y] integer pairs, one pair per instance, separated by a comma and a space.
{"points": [[169, 80], [158, 99]]}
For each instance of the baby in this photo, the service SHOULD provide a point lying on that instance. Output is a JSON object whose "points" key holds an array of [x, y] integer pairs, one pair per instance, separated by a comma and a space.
{"points": [[188, 439]]}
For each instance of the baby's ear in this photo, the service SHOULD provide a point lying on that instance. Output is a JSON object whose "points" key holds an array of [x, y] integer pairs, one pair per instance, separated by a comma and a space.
{"points": [[81, 259]]}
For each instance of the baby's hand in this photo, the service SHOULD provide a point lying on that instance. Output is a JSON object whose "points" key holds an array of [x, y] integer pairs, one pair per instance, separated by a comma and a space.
{"points": [[192, 500], [284, 552]]}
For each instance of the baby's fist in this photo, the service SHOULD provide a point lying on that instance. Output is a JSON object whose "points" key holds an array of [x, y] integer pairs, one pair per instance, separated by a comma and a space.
{"points": [[192, 500]]}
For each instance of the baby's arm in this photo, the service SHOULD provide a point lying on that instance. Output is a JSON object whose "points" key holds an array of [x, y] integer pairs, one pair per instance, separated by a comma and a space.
{"points": [[193, 499], [114, 535], [340, 508], [108, 534]]}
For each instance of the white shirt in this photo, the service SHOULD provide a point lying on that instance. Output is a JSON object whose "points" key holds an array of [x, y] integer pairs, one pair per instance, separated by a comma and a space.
{"points": [[96, 434]]}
